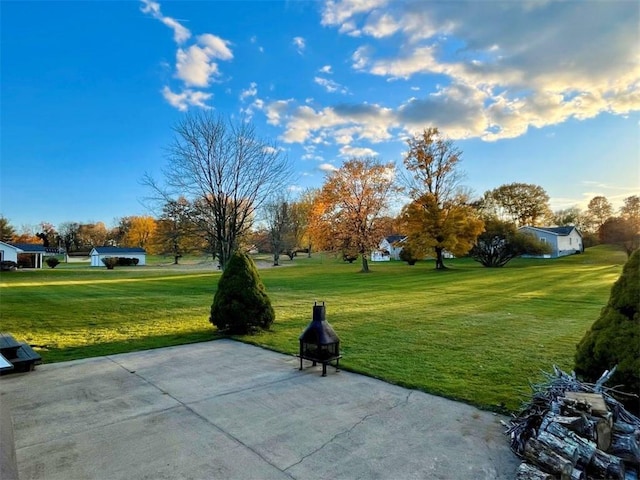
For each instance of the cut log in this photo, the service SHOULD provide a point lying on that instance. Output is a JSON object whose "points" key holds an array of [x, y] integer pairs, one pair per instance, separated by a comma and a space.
{"points": [[606, 466], [626, 447], [526, 471], [631, 474], [547, 460], [577, 474], [603, 432], [579, 425], [596, 400], [560, 446], [586, 448], [624, 428]]}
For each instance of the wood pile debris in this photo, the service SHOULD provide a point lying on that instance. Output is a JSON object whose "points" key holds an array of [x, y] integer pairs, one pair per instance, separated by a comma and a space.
{"points": [[571, 430]]}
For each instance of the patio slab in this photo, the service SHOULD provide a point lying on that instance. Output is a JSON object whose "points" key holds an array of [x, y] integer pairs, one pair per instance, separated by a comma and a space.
{"points": [[229, 410]]}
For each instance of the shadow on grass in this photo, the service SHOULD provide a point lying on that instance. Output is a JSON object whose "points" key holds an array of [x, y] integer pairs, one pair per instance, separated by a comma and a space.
{"points": [[54, 355]]}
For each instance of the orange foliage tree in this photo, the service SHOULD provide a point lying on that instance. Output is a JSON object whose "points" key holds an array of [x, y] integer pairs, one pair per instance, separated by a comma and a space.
{"points": [[347, 213], [140, 232]]}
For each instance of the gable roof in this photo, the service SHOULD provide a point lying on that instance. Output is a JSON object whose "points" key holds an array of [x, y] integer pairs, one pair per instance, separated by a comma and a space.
{"points": [[114, 250], [17, 249], [29, 247], [559, 231], [394, 238]]}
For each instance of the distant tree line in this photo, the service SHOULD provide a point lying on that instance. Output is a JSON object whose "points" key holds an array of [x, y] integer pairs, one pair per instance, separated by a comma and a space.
{"points": [[225, 190]]}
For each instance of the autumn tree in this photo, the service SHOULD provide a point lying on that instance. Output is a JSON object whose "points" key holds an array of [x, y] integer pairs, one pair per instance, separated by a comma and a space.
{"points": [[92, 235], [140, 232], [520, 203], [349, 207], [302, 214], [622, 232], [175, 228], [7, 232], [226, 171], [439, 217], [501, 242], [630, 211], [599, 210]]}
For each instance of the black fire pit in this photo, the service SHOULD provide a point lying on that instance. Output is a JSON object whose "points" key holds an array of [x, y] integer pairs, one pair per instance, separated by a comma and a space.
{"points": [[319, 342]]}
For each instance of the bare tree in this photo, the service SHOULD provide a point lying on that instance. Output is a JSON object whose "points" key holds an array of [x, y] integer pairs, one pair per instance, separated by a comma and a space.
{"points": [[279, 218], [225, 170]]}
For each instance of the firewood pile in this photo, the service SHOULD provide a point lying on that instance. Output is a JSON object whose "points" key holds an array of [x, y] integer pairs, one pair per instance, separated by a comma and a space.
{"points": [[571, 430]]}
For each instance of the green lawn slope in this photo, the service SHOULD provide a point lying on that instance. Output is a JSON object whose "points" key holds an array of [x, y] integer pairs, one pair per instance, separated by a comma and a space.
{"points": [[469, 333]]}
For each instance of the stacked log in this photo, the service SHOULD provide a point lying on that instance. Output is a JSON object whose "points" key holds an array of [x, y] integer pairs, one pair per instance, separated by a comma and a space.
{"points": [[575, 431]]}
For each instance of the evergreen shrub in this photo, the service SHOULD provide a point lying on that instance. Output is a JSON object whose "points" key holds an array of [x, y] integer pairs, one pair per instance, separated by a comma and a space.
{"points": [[614, 338], [241, 304]]}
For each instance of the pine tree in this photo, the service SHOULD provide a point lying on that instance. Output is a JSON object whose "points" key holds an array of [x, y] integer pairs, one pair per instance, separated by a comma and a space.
{"points": [[241, 304]]}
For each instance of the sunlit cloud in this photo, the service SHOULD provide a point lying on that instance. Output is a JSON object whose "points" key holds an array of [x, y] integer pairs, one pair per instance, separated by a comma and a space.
{"points": [[180, 33], [187, 98]]}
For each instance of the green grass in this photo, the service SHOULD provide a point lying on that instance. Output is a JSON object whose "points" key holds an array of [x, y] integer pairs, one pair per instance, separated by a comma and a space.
{"points": [[469, 333]]}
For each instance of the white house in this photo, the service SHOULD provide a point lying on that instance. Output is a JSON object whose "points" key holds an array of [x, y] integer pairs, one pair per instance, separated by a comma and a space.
{"points": [[9, 252], [388, 248], [98, 253], [563, 240]]}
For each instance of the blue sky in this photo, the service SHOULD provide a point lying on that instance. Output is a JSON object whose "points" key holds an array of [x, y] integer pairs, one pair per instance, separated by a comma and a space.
{"points": [[538, 91]]}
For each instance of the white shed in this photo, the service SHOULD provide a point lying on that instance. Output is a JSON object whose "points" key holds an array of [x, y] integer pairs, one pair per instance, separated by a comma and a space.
{"points": [[98, 253], [9, 252], [563, 240]]}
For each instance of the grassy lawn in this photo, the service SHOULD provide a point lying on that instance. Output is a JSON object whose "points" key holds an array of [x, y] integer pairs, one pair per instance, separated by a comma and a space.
{"points": [[469, 333]]}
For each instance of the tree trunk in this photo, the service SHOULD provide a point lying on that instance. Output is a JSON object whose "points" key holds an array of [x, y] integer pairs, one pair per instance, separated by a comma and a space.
{"points": [[276, 257], [365, 263], [439, 259]]}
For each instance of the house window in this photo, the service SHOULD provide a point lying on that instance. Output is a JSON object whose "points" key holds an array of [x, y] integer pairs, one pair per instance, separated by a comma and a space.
{"points": [[570, 240]]}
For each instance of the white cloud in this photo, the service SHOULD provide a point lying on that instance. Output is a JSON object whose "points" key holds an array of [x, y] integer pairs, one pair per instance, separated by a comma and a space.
{"points": [[196, 65], [327, 167], [330, 86], [180, 33], [187, 98], [503, 69], [300, 44], [252, 91], [349, 151], [326, 69]]}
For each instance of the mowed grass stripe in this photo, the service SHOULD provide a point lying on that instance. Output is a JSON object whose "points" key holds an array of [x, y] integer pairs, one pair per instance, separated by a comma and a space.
{"points": [[469, 333]]}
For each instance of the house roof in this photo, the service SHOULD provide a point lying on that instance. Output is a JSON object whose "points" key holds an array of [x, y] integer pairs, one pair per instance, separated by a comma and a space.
{"points": [[29, 247], [394, 238], [560, 231], [114, 250], [11, 246]]}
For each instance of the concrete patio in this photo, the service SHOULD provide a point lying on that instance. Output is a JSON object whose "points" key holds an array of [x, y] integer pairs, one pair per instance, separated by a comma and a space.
{"points": [[227, 410]]}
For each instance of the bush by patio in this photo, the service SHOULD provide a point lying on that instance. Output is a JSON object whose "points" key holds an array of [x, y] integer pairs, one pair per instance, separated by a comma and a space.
{"points": [[241, 304]]}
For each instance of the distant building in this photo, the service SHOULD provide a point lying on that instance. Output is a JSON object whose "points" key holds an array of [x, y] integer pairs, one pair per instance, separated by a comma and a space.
{"points": [[98, 253], [388, 248], [563, 240]]}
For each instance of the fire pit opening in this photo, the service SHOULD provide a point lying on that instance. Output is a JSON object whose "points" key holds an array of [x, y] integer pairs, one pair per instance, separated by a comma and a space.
{"points": [[319, 343]]}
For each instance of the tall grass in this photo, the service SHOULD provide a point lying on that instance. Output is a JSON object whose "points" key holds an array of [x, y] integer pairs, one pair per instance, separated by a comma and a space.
{"points": [[468, 333]]}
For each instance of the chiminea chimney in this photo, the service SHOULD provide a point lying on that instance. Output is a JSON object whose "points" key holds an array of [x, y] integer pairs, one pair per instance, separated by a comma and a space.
{"points": [[319, 342]]}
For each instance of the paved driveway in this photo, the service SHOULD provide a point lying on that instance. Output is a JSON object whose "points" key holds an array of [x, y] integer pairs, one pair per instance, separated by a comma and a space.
{"points": [[227, 410]]}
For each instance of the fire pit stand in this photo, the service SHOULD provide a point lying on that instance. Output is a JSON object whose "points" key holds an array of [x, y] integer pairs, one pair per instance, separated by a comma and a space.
{"points": [[319, 343]]}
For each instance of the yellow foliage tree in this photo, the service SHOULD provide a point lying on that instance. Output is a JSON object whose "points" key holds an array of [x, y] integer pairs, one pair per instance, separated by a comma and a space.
{"points": [[140, 232], [438, 218]]}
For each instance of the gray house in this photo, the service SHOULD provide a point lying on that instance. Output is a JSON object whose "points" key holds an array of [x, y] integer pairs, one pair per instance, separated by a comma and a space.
{"points": [[563, 240]]}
